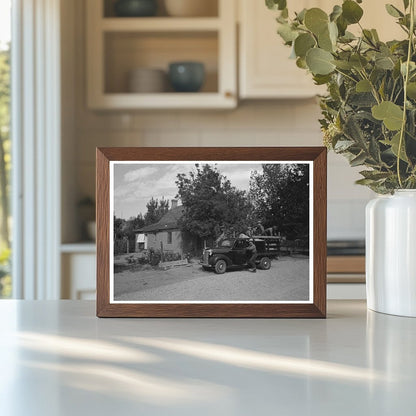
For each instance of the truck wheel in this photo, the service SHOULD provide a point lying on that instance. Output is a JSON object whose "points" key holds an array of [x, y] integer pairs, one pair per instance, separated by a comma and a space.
{"points": [[220, 267], [265, 263]]}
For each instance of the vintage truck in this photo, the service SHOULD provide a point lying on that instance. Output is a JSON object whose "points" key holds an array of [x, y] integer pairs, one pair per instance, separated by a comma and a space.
{"points": [[233, 253]]}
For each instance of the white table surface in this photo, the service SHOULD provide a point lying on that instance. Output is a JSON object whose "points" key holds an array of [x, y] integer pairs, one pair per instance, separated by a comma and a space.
{"points": [[57, 358]]}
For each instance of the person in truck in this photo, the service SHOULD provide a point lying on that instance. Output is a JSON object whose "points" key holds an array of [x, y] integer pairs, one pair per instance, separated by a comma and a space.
{"points": [[252, 252]]}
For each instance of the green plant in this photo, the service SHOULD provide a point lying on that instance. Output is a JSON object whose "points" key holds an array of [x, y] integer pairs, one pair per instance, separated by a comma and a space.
{"points": [[369, 113]]}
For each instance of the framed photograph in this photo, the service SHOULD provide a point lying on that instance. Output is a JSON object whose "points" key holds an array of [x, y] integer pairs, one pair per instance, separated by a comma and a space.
{"points": [[211, 232]]}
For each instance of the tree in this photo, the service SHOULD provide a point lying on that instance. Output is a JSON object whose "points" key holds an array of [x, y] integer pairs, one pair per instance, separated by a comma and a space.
{"points": [[4, 142], [155, 210], [163, 208], [118, 228], [138, 222], [280, 195], [209, 200], [125, 229]]}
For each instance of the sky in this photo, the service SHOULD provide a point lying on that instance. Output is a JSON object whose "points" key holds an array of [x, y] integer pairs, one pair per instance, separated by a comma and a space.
{"points": [[136, 183], [5, 19]]}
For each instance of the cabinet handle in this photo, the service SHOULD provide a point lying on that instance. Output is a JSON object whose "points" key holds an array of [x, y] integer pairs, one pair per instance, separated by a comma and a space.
{"points": [[229, 94]]}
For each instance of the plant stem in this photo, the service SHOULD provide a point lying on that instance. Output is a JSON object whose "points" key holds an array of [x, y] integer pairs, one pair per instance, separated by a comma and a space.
{"points": [[346, 75], [406, 80]]}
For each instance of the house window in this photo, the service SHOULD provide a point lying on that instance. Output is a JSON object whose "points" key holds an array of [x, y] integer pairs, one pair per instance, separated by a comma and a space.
{"points": [[169, 237]]}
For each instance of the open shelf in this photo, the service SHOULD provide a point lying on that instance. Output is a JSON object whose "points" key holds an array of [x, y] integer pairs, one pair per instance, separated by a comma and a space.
{"points": [[127, 51], [160, 24], [87, 247], [168, 100], [211, 9], [119, 45]]}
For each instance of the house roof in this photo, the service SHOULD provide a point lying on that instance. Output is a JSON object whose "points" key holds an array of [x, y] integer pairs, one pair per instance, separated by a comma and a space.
{"points": [[168, 222]]}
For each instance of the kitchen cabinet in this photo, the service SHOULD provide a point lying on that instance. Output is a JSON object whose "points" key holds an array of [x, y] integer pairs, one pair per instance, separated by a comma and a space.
{"points": [[118, 45], [78, 263], [265, 69]]}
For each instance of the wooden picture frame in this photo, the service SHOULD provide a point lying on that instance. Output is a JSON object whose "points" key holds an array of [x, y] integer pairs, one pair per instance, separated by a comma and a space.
{"points": [[313, 307]]}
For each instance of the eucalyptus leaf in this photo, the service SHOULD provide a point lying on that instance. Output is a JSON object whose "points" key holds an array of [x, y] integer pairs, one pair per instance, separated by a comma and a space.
{"points": [[351, 11], [363, 86], [276, 4], [320, 61], [301, 63], [388, 112], [303, 43], [287, 33], [325, 42], [358, 61], [354, 132], [393, 11], [374, 150], [358, 160], [285, 13], [394, 143], [369, 36], [347, 37], [342, 25], [374, 175], [321, 79], [343, 145], [385, 62], [281, 19], [336, 12], [316, 20], [365, 182], [411, 90], [345, 65], [301, 15], [333, 32], [375, 35], [412, 68]]}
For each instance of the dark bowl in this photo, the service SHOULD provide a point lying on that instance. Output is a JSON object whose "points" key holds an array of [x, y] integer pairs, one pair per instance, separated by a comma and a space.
{"points": [[135, 8], [187, 76]]}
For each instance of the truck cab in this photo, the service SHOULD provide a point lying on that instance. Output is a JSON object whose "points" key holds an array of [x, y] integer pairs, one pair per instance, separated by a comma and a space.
{"points": [[233, 253]]}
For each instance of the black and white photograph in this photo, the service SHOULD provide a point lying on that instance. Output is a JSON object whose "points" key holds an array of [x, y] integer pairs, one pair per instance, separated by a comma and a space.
{"points": [[211, 232]]}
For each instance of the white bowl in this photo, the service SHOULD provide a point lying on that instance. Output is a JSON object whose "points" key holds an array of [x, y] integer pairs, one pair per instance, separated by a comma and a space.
{"points": [[147, 80], [191, 8]]}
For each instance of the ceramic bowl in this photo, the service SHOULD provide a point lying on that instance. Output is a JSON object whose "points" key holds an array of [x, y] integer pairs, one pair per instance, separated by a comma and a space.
{"points": [[92, 230], [191, 8], [186, 76], [147, 80], [135, 8]]}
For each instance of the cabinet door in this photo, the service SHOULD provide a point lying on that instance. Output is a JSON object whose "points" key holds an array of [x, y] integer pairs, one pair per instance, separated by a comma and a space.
{"points": [[376, 17], [78, 276], [265, 68]]}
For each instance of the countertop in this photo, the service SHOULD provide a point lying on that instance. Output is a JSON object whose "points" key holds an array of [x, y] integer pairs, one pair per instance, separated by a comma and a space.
{"points": [[57, 358]]}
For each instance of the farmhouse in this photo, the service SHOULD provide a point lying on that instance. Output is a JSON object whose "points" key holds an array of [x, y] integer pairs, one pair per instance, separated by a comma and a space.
{"points": [[166, 234]]}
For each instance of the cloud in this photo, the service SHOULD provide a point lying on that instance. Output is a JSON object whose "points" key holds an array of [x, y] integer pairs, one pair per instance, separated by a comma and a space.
{"points": [[139, 174]]}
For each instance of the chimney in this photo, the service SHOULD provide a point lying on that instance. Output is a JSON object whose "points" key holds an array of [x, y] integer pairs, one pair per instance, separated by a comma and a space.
{"points": [[174, 204]]}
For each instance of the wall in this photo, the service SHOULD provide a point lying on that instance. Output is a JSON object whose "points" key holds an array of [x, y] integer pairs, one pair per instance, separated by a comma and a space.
{"points": [[154, 241], [254, 123]]}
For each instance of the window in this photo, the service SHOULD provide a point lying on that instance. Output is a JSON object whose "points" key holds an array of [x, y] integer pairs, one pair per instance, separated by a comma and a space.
{"points": [[240, 244], [5, 159], [170, 237]]}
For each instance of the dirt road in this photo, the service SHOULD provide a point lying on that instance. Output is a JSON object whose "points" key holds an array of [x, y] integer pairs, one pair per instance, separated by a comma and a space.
{"points": [[288, 279]]}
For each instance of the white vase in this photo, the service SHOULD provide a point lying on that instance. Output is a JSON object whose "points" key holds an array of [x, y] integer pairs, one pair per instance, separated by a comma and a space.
{"points": [[391, 253]]}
